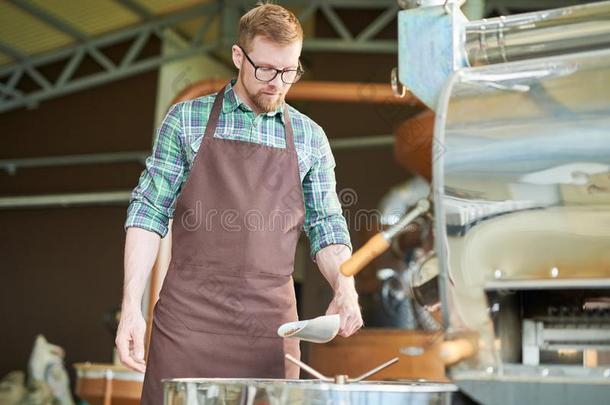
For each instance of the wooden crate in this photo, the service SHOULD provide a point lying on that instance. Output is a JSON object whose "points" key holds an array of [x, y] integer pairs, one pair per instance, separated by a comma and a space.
{"points": [[370, 347], [108, 384]]}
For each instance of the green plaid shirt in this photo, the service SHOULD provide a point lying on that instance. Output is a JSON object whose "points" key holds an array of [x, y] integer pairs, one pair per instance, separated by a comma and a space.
{"points": [[178, 139]]}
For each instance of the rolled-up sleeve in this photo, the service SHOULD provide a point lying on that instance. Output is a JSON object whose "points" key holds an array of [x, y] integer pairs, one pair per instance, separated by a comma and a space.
{"points": [[153, 200], [324, 221]]}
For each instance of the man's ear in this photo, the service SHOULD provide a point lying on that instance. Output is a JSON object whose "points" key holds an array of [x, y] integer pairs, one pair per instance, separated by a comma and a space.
{"points": [[237, 56]]}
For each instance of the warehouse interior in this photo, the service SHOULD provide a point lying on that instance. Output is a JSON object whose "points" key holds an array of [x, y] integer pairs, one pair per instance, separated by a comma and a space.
{"points": [[84, 86]]}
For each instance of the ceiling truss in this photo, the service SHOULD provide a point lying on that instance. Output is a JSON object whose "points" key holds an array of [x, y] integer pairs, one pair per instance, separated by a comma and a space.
{"points": [[227, 12]]}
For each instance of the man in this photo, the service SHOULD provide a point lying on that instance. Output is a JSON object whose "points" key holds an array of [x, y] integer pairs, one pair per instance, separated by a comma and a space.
{"points": [[241, 173]]}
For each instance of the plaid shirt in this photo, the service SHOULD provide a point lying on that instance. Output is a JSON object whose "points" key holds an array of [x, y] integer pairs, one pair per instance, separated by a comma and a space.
{"points": [[179, 136]]}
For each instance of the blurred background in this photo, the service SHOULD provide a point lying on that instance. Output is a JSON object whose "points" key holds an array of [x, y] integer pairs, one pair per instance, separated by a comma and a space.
{"points": [[83, 86]]}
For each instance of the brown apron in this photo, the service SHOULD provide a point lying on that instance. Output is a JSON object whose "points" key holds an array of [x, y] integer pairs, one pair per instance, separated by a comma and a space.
{"points": [[229, 284]]}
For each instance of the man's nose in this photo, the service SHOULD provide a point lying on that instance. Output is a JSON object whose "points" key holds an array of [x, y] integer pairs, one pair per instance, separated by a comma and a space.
{"points": [[277, 81]]}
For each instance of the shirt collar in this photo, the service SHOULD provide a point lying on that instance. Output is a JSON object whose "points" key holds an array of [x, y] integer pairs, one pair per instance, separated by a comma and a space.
{"points": [[232, 102]]}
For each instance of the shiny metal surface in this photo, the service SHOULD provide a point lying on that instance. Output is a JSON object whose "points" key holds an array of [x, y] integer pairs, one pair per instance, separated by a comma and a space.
{"points": [[434, 42], [418, 210], [538, 34], [522, 192], [307, 392]]}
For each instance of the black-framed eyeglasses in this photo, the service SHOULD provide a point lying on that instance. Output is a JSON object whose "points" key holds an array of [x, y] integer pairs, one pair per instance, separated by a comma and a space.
{"points": [[267, 74]]}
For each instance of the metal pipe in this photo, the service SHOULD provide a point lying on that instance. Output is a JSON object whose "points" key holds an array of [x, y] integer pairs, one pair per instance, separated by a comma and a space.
{"points": [[12, 165], [538, 34], [375, 370], [358, 142], [308, 368], [347, 92], [66, 200], [378, 93]]}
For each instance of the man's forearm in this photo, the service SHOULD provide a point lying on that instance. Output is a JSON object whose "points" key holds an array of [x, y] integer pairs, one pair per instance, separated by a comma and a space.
{"points": [[345, 300], [329, 259], [141, 247]]}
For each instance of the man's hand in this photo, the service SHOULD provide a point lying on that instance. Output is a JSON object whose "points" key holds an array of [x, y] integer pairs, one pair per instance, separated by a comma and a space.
{"points": [[130, 340], [345, 303]]}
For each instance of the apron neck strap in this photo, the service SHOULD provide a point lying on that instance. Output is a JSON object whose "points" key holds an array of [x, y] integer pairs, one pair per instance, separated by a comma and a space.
{"points": [[210, 128], [288, 129]]}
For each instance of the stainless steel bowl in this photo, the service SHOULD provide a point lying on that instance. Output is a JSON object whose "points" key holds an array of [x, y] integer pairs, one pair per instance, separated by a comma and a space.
{"points": [[308, 392]]}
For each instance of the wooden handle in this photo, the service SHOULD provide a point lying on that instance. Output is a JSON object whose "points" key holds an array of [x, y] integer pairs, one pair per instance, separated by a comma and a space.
{"points": [[454, 351], [363, 256], [108, 387]]}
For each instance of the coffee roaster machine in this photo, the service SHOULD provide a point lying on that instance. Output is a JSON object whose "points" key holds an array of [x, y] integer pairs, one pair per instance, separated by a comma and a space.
{"points": [[521, 196], [520, 204]]}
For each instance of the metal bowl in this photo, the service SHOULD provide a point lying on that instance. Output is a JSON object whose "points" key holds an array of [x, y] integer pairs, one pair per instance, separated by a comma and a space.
{"points": [[217, 391]]}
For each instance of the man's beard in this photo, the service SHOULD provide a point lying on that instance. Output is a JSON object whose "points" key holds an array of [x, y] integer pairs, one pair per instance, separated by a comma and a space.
{"points": [[265, 102]]}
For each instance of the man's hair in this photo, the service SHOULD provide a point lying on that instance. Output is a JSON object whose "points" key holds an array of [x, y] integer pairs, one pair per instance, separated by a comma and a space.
{"points": [[270, 21]]}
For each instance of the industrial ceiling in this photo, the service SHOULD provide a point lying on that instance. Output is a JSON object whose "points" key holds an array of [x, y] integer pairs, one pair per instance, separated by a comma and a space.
{"points": [[37, 33]]}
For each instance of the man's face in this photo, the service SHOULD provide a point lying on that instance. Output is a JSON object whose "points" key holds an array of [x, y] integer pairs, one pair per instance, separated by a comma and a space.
{"points": [[266, 96]]}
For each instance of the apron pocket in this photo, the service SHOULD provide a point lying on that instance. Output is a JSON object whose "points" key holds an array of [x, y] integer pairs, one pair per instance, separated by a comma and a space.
{"points": [[245, 304]]}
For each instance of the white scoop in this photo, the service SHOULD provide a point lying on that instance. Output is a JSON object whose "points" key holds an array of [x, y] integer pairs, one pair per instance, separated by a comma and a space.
{"points": [[318, 330]]}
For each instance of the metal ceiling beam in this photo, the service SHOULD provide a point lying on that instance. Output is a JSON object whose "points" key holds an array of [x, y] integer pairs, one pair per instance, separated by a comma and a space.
{"points": [[70, 67], [336, 22], [101, 78], [10, 87], [135, 48], [352, 4], [308, 11], [13, 97], [146, 15], [119, 35], [338, 45], [73, 56], [136, 8], [363, 42], [380, 23], [9, 91]]}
